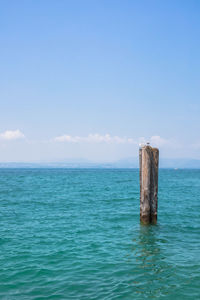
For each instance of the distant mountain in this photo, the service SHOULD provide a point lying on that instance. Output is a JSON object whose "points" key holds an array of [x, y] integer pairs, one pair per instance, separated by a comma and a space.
{"points": [[132, 162], [49, 165], [182, 163]]}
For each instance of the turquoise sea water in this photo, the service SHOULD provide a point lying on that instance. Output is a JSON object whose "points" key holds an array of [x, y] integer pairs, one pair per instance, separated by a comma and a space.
{"points": [[75, 234]]}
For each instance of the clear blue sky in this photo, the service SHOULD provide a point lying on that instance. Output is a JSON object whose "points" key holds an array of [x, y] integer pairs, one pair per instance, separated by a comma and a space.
{"points": [[70, 69]]}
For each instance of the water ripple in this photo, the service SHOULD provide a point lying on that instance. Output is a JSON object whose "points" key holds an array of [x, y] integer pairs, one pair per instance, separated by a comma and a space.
{"points": [[75, 234]]}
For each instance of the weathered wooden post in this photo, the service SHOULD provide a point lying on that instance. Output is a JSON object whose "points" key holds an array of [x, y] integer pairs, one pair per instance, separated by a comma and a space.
{"points": [[149, 158]]}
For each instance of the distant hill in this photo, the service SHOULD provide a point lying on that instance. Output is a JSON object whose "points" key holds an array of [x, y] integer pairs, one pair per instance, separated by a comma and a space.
{"points": [[181, 163], [132, 162]]}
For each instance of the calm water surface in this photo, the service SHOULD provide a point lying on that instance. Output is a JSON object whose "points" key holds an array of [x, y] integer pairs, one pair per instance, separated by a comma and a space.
{"points": [[75, 234]]}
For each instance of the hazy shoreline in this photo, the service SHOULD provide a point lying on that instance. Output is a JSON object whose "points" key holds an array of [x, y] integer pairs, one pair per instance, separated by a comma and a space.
{"points": [[130, 163]]}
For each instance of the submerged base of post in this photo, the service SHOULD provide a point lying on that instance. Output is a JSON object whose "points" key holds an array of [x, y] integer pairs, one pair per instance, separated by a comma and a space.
{"points": [[149, 158], [145, 220]]}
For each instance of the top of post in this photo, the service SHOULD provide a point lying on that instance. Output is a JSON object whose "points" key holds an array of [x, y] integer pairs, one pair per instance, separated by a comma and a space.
{"points": [[147, 146], [144, 145]]}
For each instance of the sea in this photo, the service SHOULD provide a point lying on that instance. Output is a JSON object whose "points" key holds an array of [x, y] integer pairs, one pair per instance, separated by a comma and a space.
{"points": [[76, 234]]}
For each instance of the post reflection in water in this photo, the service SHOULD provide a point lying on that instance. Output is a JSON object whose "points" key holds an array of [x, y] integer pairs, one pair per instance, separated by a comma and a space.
{"points": [[151, 275]]}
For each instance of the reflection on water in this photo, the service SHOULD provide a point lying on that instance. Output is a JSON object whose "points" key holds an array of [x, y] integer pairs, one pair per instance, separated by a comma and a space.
{"points": [[152, 274]]}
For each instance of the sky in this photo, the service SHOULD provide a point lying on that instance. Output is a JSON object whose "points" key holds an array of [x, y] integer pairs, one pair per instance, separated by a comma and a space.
{"points": [[94, 79]]}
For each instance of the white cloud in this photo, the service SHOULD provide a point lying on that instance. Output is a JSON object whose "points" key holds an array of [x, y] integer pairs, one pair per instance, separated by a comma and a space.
{"points": [[156, 140], [64, 138], [95, 138], [12, 135]]}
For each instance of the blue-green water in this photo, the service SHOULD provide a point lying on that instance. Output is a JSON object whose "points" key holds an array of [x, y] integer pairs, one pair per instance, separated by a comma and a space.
{"points": [[75, 234]]}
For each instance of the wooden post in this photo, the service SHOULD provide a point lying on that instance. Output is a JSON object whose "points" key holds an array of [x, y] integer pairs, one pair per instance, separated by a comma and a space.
{"points": [[149, 158]]}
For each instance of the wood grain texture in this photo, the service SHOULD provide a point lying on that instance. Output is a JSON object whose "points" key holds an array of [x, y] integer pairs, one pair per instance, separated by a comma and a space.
{"points": [[149, 159]]}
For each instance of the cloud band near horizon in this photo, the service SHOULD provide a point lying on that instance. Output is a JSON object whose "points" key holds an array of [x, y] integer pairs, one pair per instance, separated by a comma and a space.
{"points": [[156, 140]]}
